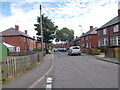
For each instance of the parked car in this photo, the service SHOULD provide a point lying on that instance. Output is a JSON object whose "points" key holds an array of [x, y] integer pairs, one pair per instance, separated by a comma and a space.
{"points": [[74, 50], [55, 49], [62, 49]]}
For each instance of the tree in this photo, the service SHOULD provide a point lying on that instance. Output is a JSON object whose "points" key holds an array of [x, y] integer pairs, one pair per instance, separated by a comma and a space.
{"points": [[64, 35], [48, 29]]}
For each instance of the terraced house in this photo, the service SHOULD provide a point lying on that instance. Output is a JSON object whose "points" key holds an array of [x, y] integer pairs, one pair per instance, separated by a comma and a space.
{"points": [[109, 33]]}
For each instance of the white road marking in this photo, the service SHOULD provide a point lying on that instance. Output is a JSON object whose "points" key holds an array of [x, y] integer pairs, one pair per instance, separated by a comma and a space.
{"points": [[49, 80], [34, 84], [49, 86]]}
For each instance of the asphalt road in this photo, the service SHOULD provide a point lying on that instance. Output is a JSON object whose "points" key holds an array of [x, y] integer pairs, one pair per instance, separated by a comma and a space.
{"points": [[83, 71]]}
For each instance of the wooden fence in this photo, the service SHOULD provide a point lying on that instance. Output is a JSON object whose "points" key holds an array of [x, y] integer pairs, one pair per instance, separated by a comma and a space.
{"points": [[12, 65]]}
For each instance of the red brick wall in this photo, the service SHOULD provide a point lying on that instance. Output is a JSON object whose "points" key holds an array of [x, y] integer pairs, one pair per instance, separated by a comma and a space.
{"points": [[18, 41], [31, 44], [93, 40], [15, 41], [109, 33]]}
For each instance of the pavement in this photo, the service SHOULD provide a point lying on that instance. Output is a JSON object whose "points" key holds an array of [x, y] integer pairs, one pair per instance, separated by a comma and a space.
{"points": [[29, 78], [111, 60]]}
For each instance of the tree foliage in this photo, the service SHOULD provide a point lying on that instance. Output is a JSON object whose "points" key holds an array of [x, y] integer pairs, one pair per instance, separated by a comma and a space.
{"points": [[64, 35], [48, 28]]}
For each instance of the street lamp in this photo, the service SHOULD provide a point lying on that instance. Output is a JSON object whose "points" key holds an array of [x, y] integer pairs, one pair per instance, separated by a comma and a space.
{"points": [[81, 29]]}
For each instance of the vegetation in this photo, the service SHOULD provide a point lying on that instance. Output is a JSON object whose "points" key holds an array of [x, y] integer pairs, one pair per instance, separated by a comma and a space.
{"points": [[64, 35], [4, 80], [36, 49], [48, 28]]}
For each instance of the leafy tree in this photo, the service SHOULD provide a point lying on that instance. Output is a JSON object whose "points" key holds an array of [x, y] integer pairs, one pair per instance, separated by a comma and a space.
{"points": [[64, 35], [48, 28]]}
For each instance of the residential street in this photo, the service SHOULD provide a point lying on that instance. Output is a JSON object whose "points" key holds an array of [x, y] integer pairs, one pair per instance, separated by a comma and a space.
{"points": [[83, 71]]}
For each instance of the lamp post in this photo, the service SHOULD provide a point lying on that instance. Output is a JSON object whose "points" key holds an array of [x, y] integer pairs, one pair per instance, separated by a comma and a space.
{"points": [[81, 29]]}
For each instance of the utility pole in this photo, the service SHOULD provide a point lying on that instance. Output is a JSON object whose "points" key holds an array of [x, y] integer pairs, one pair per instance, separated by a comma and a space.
{"points": [[41, 29]]}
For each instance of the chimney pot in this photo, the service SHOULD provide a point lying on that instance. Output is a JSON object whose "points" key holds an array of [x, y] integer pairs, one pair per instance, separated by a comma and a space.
{"points": [[25, 31], [16, 27], [91, 27], [119, 13], [34, 37]]}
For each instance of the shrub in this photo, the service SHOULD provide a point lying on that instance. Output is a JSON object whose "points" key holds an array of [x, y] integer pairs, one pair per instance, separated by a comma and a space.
{"points": [[36, 49]]}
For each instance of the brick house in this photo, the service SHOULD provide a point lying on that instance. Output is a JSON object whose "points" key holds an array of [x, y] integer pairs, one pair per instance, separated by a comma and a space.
{"points": [[109, 33], [20, 40], [76, 41], [89, 39]]}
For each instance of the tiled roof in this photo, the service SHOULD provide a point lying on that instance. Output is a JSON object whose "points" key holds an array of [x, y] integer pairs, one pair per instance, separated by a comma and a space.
{"points": [[90, 32], [14, 32], [111, 22]]}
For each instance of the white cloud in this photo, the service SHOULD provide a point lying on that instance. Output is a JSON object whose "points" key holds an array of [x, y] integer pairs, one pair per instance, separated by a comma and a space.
{"points": [[70, 14]]}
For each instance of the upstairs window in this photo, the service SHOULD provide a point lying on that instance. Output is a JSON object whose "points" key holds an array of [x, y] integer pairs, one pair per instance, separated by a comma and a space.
{"points": [[104, 31], [115, 28], [87, 37]]}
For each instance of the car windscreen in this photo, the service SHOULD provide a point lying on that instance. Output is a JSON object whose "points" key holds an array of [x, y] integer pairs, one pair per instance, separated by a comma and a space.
{"points": [[76, 48]]}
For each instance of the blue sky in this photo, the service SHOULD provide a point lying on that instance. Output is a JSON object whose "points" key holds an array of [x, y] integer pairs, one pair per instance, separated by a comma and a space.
{"points": [[64, 13]]}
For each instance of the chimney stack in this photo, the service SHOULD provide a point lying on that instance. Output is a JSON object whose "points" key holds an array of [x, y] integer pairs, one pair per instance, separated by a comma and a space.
{"points": [[16, 27], [119, 9], [34, 37], [25, 31], [91, 27]]}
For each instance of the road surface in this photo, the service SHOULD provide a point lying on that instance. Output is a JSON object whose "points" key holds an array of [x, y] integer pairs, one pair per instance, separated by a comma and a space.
{"points": [[83, 71]]}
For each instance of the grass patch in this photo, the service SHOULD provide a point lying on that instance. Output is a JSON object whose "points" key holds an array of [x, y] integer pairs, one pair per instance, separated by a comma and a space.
{"points": [[4, 80]]}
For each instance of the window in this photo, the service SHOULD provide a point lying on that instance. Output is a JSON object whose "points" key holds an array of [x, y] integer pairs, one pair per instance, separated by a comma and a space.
{"points": [[119, 40], [115, 28], [87, 37], [82, 38], [98, 33], [25, 40], [104, 31], [87, 45], [25, 48], [104, 42], [115, 41]]}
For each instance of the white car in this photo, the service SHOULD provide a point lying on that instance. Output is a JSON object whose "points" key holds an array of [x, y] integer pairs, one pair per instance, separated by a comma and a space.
{"points": [[74, 50]]}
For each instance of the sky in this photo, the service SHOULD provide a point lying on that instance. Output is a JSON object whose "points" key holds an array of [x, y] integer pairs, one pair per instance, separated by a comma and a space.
{"points": [[77, 15]]}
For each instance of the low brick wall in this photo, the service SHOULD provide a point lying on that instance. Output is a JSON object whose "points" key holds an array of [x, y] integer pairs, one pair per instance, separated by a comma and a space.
{"points": [[113, 52], [91, 51], [117, 53]]}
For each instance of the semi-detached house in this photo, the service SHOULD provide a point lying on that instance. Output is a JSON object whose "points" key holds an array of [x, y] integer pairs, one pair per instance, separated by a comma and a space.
{"points": [[89, 39], [22, 41], [109, 33]]}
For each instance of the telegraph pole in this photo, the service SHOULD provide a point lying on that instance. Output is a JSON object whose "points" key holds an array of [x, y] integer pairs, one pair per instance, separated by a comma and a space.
{"points": [[41, 29]]}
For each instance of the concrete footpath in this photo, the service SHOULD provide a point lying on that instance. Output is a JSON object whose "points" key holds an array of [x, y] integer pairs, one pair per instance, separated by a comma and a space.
{"points": [[111, 60], [30, 77]]}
